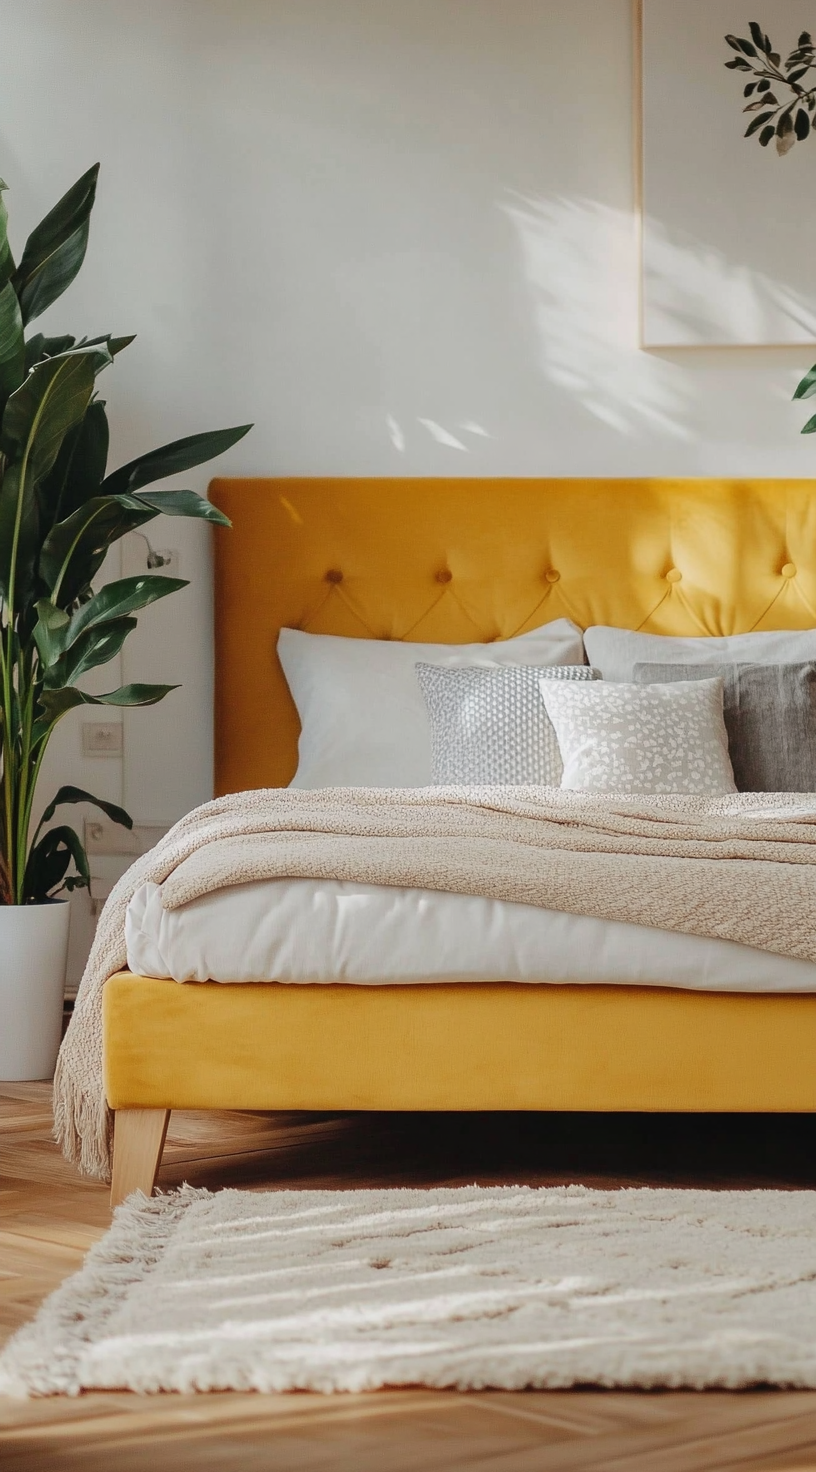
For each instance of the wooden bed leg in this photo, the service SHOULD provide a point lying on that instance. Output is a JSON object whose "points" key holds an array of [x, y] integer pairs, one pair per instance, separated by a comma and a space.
{"points": [[138, 1141]]}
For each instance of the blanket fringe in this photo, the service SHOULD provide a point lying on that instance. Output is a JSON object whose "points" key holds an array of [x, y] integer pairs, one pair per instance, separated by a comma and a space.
{"points": [[83, 1124]]}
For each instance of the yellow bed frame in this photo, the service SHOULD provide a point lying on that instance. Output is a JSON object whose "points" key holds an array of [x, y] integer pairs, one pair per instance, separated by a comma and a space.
{"points": [[456, 561]]}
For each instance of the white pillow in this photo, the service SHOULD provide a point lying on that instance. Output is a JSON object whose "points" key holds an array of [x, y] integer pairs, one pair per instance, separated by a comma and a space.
{"points": [[362, 715], [615, 652], [641, 738]]}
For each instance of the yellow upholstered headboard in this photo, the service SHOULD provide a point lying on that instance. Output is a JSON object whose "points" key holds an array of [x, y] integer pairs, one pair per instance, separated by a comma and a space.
{"points": [[453, 561]]}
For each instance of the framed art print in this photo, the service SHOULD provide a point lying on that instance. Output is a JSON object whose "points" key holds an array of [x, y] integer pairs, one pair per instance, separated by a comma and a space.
{"points": [[728, 222]]}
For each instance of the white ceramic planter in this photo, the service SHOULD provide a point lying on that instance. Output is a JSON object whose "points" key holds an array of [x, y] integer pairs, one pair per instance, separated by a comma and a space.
{"points": [[33, 954]]}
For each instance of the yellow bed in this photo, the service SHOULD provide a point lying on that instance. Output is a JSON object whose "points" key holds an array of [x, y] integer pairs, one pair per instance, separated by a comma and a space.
{"points": [[459, 561]]}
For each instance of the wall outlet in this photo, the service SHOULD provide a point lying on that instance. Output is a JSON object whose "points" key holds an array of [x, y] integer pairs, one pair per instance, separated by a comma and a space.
{"points": [[102, 738], [140, 556], [102, 836]]}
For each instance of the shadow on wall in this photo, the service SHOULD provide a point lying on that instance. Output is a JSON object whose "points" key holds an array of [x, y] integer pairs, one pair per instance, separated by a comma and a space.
{"points": [[694, 296], [581, 266]]}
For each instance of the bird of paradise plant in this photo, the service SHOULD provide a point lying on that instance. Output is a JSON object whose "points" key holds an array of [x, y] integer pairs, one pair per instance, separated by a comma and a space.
{"points": [[60, 512]]}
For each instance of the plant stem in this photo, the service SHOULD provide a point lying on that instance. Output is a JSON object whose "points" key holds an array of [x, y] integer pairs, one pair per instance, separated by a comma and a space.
{"points": [[8, 767], [26, 793]]}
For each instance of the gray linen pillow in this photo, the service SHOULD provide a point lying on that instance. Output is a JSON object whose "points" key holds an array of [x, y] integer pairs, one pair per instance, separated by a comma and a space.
{"points": [[489, 726], [770, 717]]}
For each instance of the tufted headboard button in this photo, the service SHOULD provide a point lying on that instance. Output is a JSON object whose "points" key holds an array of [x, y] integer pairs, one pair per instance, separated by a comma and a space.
{"points": [[552, 575], [334, 575], [788, 570], [674, 575], [444, 575]]}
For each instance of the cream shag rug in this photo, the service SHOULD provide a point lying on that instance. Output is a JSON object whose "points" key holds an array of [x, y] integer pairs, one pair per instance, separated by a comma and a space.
{"points": [[507, 1287]]}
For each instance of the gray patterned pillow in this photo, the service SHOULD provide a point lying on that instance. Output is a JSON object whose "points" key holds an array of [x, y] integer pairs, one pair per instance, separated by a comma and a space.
{"points": [[489, 726]]}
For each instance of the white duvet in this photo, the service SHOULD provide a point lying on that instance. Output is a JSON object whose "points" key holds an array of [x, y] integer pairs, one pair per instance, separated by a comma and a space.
{"points": [[306, 930]]}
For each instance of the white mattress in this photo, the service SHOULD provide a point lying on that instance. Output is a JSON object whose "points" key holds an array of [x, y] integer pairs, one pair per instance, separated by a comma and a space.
{"points": [[306, 930]]}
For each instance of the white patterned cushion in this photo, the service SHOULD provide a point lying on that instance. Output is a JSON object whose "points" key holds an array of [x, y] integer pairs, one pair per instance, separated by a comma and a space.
{"points": [[641, 738], [490, 727]]}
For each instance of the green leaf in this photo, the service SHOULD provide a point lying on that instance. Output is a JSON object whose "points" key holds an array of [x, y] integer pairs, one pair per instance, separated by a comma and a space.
{"points": [[184, 503], [49, 861], [757, 34], [114, 345], [78, 794], [56, 249], [794, 76], [764, 85], [93, 647], [49, 631], [173, 459], [18, 518], [6, 258], [757, 122], [810, 427], [52, 399], [74, 549], [39, 346], [733, 43], [115, 600], [79, 468], [766, 135], [136, 694], [805, 39], [806, 386], [56, 703], [739, 64], [749, 88], [802, 124], [12, 342]]}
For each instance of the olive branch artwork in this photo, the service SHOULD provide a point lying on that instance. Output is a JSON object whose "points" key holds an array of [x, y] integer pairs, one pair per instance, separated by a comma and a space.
{"points": [[788, 117], [788, 121]]}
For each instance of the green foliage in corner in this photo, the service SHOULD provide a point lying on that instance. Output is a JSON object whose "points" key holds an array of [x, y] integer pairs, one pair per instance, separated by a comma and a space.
{"points": [[60, 512]]}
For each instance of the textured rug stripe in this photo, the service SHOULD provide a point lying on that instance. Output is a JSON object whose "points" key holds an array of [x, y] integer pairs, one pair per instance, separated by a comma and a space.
{"points": [[507, 1287]]}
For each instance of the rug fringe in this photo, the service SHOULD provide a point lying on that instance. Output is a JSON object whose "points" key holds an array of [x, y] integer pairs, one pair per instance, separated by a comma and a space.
{"points": [[76, 1313]]}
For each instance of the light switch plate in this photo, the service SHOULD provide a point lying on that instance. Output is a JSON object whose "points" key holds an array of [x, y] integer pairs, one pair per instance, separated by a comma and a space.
{"points": [[102, 738]]}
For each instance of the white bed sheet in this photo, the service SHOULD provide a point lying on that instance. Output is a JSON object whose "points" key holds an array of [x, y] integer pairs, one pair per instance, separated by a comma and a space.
{"points": [[306, 930]]}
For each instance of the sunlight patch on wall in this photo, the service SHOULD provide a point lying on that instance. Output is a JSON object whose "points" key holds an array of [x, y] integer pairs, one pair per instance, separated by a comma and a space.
{"points": [[581, 267], [395, 433], [694, 295], [442, 436]]}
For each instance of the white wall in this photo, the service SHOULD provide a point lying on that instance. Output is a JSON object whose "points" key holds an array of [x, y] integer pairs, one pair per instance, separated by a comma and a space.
{"points": [[396, 234]]}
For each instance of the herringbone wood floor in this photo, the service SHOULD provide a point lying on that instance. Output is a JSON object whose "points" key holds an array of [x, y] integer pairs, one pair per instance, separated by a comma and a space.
{"points": [[49, 1217]]}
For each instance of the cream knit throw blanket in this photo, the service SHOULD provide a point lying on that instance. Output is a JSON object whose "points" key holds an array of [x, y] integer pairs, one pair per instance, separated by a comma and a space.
{"points": [[742, 868]]}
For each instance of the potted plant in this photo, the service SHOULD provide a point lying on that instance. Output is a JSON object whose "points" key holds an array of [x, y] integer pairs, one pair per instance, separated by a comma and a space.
{"points": [[60, 512]]}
